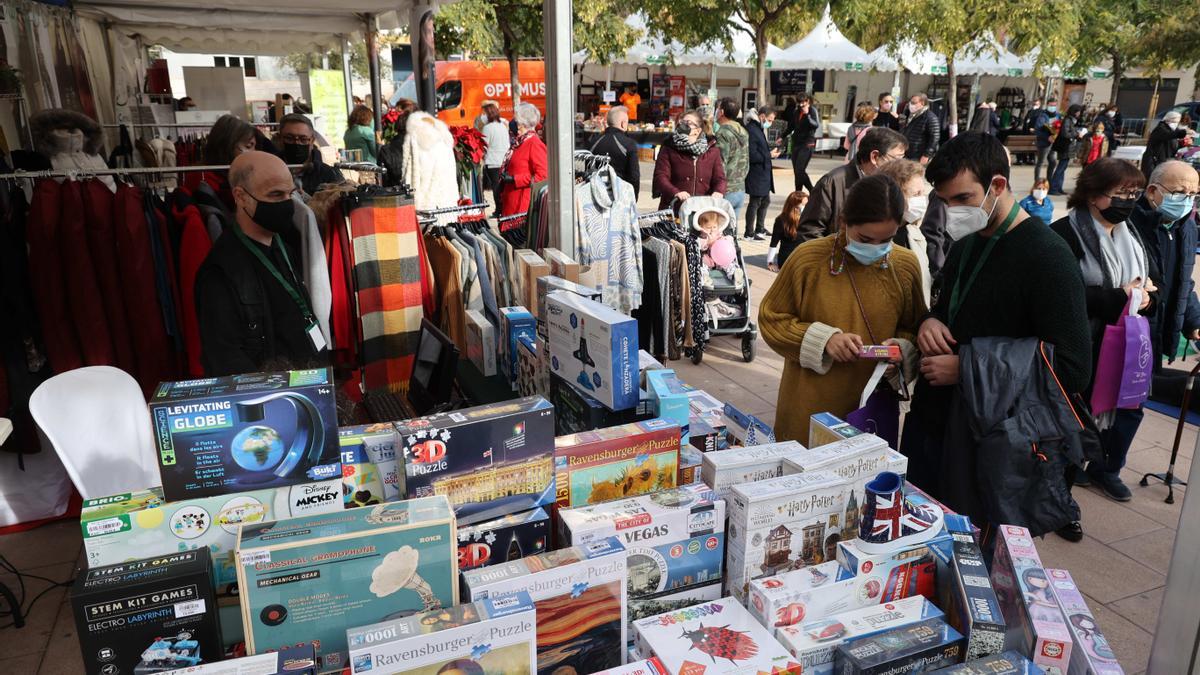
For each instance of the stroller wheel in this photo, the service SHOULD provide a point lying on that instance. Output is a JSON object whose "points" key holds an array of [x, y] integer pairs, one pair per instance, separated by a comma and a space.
{"points": [[748, 346], [697, 356]]}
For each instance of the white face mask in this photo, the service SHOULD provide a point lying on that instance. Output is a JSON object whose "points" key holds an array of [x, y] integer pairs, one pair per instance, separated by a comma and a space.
{"points": [[915, 208], [1039, 195], [964, 220], [1173, 125], [1111, 113]]}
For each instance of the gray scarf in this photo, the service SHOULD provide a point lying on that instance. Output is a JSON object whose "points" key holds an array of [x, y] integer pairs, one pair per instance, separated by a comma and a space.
{"points": [[1110, 262], [684, 144]]}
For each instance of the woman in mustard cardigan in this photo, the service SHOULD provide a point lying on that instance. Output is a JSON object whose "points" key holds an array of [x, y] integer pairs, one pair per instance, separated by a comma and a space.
{"points": [[815, 319]]}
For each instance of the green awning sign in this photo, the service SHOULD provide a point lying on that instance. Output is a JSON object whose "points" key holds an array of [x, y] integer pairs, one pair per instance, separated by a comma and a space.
{"points": [[768, 62], [939, 70], [656, 60], [856, 67], [1016, 72]]}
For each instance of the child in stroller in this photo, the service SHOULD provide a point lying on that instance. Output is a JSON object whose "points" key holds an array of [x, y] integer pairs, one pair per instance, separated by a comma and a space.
{"points": [[717, 246]]}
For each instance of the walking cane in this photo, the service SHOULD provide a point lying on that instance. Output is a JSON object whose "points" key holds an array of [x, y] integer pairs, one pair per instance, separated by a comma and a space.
{"points": [[1169, 478]]}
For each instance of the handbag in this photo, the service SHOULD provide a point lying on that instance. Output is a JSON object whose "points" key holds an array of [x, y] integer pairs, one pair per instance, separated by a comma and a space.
{"points": [[878, 409], [1126, 362]]}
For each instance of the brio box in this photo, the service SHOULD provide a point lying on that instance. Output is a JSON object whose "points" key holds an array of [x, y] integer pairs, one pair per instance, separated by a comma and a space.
{"points": [[505, 539], [1005, 663], [481, 342], [489, 461], [306, 579], [530, 267], [917, 648], [642, 667], [494, 635], [718, 637], [744, 429], [148, 615], [515, 323], [897, 463], [579, 593], [533, 375], [371, 465], [133, 525], [576, 411], [550, 284], [908, 571], [296, 660], [1035, 621], [669, 395], [594, 347], [562, 265], [965, 592], [617, 462], [723, 469], [824, 428], [674, 538], [640, 608], [809, 593], [814, 643], [1092, 654], [231, 434]]}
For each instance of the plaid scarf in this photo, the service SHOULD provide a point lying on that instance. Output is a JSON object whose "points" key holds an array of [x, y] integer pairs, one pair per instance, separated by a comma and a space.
{"points": [[684, 144]]}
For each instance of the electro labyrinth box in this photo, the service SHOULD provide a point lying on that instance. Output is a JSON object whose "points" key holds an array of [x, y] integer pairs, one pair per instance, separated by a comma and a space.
{"points": [[245, 432], [606, 464]]}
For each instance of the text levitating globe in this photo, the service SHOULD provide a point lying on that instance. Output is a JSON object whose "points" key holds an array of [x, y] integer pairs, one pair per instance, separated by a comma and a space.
{"points": [[257, 448]]}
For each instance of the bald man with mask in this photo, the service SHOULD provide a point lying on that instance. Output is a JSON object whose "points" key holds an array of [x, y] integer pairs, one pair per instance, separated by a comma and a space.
{"points": [[251, 302]]}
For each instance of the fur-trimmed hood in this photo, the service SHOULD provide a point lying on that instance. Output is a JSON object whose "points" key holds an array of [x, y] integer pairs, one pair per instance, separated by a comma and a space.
{"points": [[58, 131]]}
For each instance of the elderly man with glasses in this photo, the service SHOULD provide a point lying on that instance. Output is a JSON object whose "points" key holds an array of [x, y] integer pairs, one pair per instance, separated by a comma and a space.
{"points": [[298, 142], [877, 147]]}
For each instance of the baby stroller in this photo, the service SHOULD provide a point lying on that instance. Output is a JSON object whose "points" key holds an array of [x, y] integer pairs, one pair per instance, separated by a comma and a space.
{"points": [[724, 282]]}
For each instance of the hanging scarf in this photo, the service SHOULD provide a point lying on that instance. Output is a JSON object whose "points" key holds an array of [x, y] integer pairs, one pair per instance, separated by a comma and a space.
{"points": [[683, 143], [514, 145]]}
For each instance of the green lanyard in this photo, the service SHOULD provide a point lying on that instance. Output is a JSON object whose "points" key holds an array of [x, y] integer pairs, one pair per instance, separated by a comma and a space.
{"points": [[959, 293], [288, 286]]}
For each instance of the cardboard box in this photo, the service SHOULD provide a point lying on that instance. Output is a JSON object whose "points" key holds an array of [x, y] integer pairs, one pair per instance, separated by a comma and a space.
{"points": [[718, 637], [825, 428], [489, 460], [515, 323], [297, 660], [908, 571], [668, 601], [808, 594], [643, 667], [897, 463], [1006, 663], [965, 592], [594, 348], [646, 363], [814, 643], [495, 635], [744, 429], [550, 284], [576, 411], [1035, 621], [702, 436], [147, 615], [134, 525], [859, 459], [306, 579], [916, 648], [690, 461], [1092, 654], [481, 342], [723, 469], [245, 432], [561, 264], [674, 538], [533, 376], [580, 597], [670, 400], [505, 539], [606, 464], [530, 267], [371, 467]]}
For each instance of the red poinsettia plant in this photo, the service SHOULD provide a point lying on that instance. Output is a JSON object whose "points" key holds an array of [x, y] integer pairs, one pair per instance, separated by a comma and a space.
{"points": [[389, 124], [469, 148]]}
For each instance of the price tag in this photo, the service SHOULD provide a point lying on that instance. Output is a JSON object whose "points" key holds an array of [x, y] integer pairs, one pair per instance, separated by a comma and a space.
{"points": [[255, 557], [191, 608], [107, 526]]}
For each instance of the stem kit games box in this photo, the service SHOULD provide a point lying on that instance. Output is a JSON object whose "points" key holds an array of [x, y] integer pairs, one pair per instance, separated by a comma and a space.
{"points": [[245, 432]]}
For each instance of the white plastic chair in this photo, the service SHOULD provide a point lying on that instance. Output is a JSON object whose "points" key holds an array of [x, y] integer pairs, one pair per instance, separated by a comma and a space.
{"points": [[97, 421]]}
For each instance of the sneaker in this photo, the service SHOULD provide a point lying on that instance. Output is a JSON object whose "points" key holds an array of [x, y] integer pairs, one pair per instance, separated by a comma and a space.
{"points": [[890, 522], [1072, 531], [1082, 479], [1112, 486], [760, 236]]}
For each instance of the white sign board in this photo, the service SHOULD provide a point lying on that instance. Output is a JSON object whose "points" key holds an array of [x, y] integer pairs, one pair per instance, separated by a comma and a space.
{"points": [[610, 96]]}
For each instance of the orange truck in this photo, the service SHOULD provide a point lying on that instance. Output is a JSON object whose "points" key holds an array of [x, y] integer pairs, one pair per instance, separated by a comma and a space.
{"points": [[463, 86]]}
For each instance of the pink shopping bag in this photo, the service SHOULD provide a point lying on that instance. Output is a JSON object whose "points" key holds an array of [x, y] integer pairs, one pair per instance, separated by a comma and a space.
{"points": [[1126, 361]]}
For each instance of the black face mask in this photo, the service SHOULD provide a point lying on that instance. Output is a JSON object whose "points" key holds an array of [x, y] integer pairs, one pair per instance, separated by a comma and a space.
{"points": [[274, 216], [1119, 210], [296, 153]]}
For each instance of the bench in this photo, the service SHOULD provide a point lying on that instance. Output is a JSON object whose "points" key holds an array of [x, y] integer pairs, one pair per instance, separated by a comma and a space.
{"points": [[1022, 147]]}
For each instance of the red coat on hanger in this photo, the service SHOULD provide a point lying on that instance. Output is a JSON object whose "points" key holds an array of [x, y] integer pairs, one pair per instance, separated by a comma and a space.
{"points": [[98, 204], [47, 277]]}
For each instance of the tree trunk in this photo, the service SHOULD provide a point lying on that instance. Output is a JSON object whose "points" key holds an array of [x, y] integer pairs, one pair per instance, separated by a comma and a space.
{"points": [[952, 103], [1149, 126], [1118, 71], [760, 66], [510, 53]]}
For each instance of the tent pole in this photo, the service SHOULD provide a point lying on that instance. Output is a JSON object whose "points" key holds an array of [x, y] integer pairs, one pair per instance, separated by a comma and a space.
{"points": [[712, 81], [560, 124], [347, 77], [373, 68]]}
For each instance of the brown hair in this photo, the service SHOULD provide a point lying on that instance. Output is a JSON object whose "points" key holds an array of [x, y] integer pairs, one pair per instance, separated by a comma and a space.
{"points": [[792, 225], [865, 113], [1101, 177], [902, 171], [873, 199], [1039, 182], [227, 133], [361, 116], [405, 105]]}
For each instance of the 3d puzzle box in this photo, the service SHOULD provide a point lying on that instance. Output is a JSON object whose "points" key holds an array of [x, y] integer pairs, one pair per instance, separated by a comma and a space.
{"points": [[617, 462], [723, 469], [1035, 620], [667, 601], [909, 570], [504, 539], [306, 579], [580, 597], [809, 593], [489, 461]]}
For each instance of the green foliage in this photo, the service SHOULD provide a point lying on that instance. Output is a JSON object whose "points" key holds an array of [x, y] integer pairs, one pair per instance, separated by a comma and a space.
{"points": [[303, 61]]}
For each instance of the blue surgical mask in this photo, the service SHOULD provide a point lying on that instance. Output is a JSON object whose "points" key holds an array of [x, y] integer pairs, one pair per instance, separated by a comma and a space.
{"points": [[1051, 109], [867, 254], [1174, 207]]}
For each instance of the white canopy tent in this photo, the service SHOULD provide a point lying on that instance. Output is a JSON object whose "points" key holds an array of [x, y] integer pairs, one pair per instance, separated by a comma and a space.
{"points": [[824, 48], [653, 51], [985, 56]]}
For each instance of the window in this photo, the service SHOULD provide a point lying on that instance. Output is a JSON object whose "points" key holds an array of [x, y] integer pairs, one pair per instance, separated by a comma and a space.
{"points": [[250, 66], [449, 95], [219, 61], [235, 62]]}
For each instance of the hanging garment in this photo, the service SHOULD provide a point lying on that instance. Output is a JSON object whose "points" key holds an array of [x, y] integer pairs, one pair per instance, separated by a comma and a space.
{"points": [[83, 290], [194, 246], [608, 243], [450, 316], [133, 241], [48, 277], [314, 266], [99, 206], [327, 206], [429, 166]]}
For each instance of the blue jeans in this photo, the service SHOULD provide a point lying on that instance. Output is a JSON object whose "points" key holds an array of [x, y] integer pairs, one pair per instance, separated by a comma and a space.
{"points": [[1059, 171], [736, 199], [1116, 440]]}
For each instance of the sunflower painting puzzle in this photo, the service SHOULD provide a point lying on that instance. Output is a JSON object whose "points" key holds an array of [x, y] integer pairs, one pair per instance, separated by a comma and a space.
{"points": [[617, 462]]}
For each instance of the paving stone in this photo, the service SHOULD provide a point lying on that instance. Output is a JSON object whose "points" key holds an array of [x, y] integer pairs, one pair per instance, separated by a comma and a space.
{"points": [[1152, 549], [33, 637], [1107, 520], [62, 651], [49, 544], [22, 664], [1141, 608], [1100, 571]]}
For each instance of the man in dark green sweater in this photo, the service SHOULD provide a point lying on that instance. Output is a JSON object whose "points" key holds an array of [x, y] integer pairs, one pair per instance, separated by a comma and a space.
{"points": [[1007, 275]]}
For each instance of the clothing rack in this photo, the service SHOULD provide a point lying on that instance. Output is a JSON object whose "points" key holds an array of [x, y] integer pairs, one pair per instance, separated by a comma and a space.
{"points": [[656, 215], [451, 209], [87, 173], [176, 125], [505, 219]]}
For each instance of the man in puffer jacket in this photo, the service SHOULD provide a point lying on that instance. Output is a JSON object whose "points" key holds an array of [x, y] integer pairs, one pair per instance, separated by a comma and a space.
{"points": [[923, 130]]}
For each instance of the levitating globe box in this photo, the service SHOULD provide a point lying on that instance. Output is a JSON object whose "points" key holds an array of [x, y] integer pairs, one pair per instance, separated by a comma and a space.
{"points": [[231, 434], [305, 580]]}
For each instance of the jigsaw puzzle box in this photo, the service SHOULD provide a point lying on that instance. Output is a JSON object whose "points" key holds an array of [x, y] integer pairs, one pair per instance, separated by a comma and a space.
{"points": [[509, 538], [722, 469], [714, 638], [965, 591], [633, 459], [920, 647], [1092, 654], [808, 593], [372, 471], [1035, 620]]}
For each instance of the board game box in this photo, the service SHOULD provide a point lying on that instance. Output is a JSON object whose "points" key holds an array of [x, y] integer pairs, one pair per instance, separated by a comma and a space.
{"points": [[489, 461], [1004, 663], [909, 570], [580, 597], [306, 579], [965, 592], [1036, 623], [371, 470], [809, 593], [594, 347], [494, 635], [230, 434], [723, 469], [633, 459], [920, 647], [296, 660], [1092, 653], [717, 638]]}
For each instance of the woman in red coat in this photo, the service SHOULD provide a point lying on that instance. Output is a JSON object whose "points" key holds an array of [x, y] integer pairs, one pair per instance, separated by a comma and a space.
{"points": [[525, 163], [689, 165]]}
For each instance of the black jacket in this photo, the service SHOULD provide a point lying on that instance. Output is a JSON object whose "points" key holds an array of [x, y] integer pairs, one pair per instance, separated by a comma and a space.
{"points": [[803, 128], [318, 173], [391, 157], [760, 181], [887, 119], [622, 153], [820, 215], [922, 133], [1161, 146], [1171, 256]]}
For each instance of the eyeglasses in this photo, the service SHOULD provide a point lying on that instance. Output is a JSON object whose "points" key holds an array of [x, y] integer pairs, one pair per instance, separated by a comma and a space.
{"points": [[891, 156], [1132, 195], [1180, 194], [293, 138]]}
